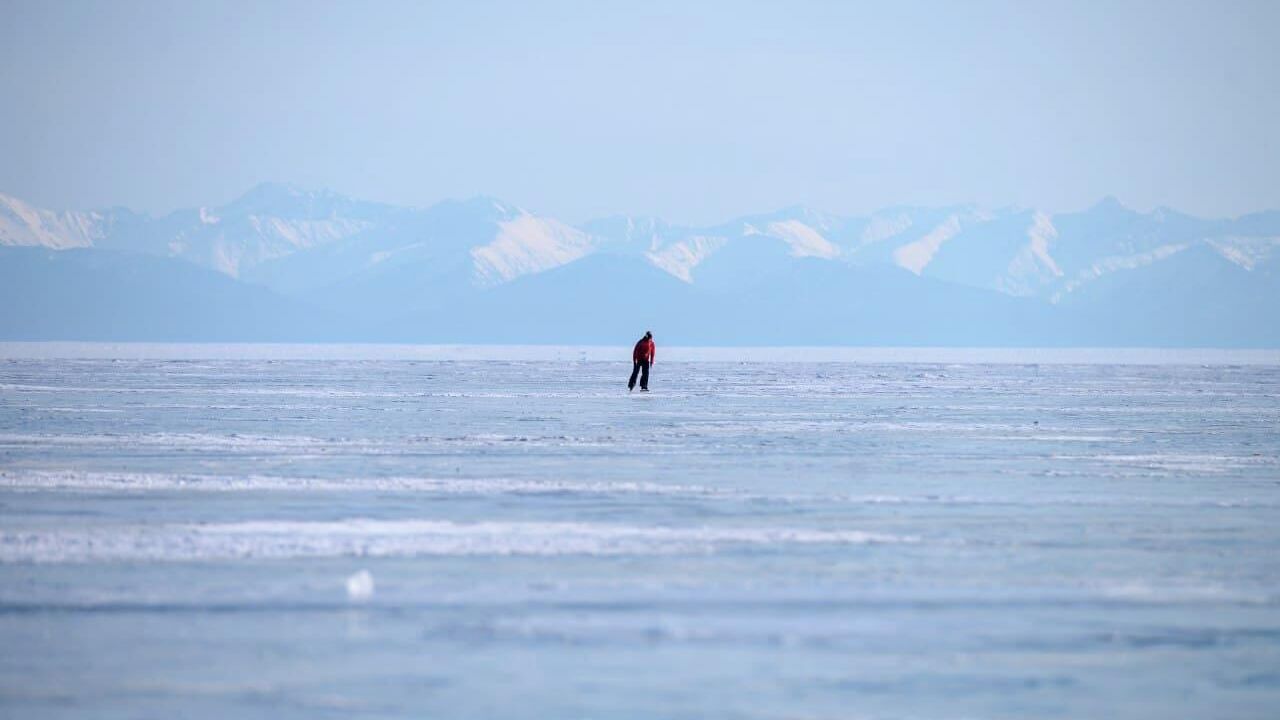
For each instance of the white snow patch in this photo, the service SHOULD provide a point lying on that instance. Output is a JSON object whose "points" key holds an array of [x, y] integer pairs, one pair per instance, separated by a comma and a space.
{"points": [[1041, 233], [1032, 266], [915, 256], [1247, 252], [680, 258], [226, 257], [526, 245], [803, 240], [1119, 262]]}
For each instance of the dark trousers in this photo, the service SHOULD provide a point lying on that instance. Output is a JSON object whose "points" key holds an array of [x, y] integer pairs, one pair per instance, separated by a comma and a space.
{"points": [[642, 369]]}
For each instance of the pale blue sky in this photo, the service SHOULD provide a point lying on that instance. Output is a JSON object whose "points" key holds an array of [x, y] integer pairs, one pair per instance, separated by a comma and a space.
{"points": [[694, 111]]}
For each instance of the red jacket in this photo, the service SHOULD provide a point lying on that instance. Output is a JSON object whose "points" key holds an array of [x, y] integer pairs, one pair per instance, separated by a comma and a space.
{"points": [[644, 351]]}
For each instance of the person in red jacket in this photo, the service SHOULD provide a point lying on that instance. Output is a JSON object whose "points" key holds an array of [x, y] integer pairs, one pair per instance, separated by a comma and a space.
{"points": [[641, 358]]}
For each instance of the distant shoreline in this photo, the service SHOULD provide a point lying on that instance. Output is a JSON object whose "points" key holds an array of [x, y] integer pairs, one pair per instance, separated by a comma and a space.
{"points": [[67, 350]]}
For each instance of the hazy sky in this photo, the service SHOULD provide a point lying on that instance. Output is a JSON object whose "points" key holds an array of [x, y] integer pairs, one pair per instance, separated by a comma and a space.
{"points": [[694, 111]]}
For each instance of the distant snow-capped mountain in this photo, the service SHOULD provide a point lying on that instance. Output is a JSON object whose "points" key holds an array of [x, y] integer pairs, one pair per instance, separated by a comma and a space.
{"points": [[267, 222], [273, 226], [361, 259], [22, 225]]}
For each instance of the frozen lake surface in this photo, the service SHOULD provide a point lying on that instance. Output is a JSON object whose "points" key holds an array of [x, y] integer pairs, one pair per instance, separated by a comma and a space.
{"points": [[286, 532]]}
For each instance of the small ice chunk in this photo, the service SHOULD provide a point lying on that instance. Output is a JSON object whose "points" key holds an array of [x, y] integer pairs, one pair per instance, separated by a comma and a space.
{"points": [[360, 586]]}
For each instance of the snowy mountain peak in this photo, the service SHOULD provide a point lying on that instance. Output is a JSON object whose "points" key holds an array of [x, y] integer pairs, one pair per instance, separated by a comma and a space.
{"points": [[22, 224], [1109, 204], [290, 202], [267, 195]]}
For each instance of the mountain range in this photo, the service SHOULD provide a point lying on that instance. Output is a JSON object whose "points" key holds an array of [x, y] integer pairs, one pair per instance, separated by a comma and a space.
{"points": [[286, 264]]}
